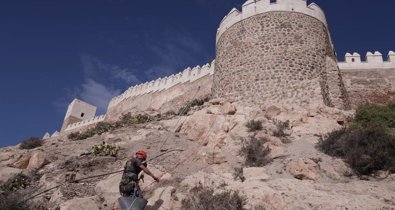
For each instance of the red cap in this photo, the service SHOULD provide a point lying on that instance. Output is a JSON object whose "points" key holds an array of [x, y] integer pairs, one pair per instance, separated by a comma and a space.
{"points": [[142, 153]]}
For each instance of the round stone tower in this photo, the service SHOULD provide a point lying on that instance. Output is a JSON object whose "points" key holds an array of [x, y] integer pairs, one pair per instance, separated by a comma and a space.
{"points": [[277, 52]]}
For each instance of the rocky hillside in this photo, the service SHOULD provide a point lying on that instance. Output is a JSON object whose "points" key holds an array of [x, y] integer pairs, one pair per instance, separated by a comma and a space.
{"points": [[268, 156]]}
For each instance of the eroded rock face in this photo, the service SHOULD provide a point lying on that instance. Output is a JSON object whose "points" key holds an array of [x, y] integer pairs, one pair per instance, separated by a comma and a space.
{"points": [[37, 160], [80, 204], [7, 172], [109, 188], [303, 169]]}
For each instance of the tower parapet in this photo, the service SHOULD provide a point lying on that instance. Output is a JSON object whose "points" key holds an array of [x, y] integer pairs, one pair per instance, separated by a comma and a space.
{"points": [[255, 7]]}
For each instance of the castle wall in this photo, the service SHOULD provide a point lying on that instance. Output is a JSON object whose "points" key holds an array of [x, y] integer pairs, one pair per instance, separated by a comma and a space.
{"points": [[85, 123], [169, 93], [278, 57], [372, 80]]}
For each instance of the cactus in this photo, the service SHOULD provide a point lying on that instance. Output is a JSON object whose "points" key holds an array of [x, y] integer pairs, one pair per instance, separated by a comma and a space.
{"points": [[105, 149]]}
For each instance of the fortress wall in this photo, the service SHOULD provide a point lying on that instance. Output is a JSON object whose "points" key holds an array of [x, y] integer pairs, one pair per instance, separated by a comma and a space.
{"points": [[85, 123], [188, 75], [163, 96], [372, 80]]}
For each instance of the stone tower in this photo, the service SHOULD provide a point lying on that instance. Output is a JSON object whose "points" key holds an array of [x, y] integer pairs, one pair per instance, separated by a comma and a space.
{"points": [[277, 52], [78, 111]]}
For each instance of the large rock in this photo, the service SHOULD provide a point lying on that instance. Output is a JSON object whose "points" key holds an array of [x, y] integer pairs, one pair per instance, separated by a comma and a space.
{"points": [[303, 168], [37, 160], [5, 156], [272, 112], [109, 188], [7, 172], [202, 127], [22, 162], [80, 204]]}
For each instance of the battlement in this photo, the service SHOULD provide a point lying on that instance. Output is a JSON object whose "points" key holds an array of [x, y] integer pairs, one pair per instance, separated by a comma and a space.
{"points": [[85, 122], [188, 75], [372, 61], [255, 7]]}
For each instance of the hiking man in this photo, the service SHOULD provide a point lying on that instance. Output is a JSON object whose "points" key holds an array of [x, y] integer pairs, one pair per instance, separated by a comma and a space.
{"points": [[130, 181]]}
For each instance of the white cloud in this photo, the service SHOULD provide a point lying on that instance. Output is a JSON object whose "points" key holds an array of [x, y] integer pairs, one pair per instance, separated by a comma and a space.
{"points": [[97, 94], [101, 82]]}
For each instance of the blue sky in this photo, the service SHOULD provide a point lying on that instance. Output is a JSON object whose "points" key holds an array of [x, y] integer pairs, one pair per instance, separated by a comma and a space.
{"points": [[54, 50]]}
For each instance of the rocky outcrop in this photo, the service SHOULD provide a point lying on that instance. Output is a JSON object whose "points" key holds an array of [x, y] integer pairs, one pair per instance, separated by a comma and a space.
{"points": [[80, 204]]}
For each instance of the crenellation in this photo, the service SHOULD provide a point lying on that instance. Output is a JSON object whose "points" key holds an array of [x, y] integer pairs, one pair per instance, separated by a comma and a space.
{"points": [[187, 75], [372, 61], [256, 7]]}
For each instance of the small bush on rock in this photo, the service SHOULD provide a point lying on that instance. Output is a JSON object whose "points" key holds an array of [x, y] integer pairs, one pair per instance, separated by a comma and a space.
{"points": [[254, 125], [105, 149], [31, 143], [196, 102], [368, 144], [373, 115], [19, 181], [254, 152], [365, 150], [204, 198], [281, 127]]}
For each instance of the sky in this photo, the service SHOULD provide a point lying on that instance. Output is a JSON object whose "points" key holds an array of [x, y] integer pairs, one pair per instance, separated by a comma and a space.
{"points": [[52, 51]]}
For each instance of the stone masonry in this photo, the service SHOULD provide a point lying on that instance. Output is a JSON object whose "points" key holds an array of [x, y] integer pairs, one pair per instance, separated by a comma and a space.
{"points": [[278, 57]]}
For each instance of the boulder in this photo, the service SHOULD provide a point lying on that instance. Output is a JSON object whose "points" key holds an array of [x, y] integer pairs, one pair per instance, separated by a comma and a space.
{"points": [[80, 204], [228, 109], [303, 168], [272, 112], [37, 160]]}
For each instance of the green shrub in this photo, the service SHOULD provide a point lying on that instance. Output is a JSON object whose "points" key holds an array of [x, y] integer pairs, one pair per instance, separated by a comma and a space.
{"points": [[254, 125], [366, 150], [17, 182], [254, 152], [31, 143], [103, 127], [331, 144], [196, 102], [368, 145], [373, 115], [73, 136], [204, 198], [105, 149]]}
